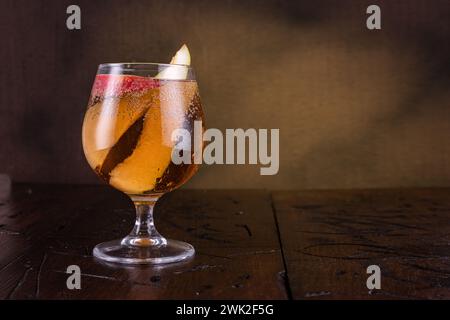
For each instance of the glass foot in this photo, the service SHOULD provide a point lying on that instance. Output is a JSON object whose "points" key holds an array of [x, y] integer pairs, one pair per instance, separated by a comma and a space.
{"points": [[123, 251]]}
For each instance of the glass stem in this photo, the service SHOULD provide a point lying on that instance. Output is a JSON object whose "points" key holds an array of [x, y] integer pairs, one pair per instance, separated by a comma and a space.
{"points": [[144, 233]]}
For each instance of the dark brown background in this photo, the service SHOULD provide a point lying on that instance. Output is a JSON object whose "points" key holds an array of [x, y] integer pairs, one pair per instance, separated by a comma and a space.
{"points": [[355, 108]]}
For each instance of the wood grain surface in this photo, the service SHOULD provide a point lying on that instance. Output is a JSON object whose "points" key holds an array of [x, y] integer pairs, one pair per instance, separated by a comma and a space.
{"points": [[331, 237], [244, 240], [46, 228]]}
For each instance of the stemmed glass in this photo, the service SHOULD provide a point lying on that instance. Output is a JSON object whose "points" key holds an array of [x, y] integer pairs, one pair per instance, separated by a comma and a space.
{"points": [[129, 141]]}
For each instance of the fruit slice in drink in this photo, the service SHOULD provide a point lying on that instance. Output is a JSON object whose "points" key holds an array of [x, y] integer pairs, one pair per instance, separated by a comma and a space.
{"points": [[141, 171], [109, 118], [127, 132], [178, 72]]}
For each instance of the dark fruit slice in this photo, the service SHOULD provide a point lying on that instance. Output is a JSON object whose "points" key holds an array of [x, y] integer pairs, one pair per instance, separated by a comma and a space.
{"points": [[122, 149], [174, 176], [114, 116], [177, 174]]}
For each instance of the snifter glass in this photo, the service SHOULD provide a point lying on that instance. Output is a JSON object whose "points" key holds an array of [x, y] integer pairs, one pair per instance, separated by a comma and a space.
{"points": [[127, 139]]}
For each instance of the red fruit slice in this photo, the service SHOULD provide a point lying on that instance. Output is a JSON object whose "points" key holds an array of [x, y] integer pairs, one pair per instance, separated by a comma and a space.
{"points": [[106, 85]]}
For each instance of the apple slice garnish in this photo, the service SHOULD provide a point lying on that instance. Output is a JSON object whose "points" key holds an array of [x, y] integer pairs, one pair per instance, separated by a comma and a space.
{"points": [[179, 71]]}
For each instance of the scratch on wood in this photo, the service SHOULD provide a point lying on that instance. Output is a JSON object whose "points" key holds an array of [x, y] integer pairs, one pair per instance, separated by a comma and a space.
{"points": [[317, 294], [390, 294], [425, 268], [12, 261], [9, 232], [98, 276], [213, 255], [368, 249], [246, 227], [38, 279], [254, 252], [90, 275], [19, 283], [200, 267], [351, 258], [70, 254]]}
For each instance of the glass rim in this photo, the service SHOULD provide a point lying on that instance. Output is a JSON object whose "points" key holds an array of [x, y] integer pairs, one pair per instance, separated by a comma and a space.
{"points": [[140, 65]]}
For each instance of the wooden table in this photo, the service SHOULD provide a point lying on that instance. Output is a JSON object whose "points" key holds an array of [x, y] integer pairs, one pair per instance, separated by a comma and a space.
{"points": [[250, 244]]}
